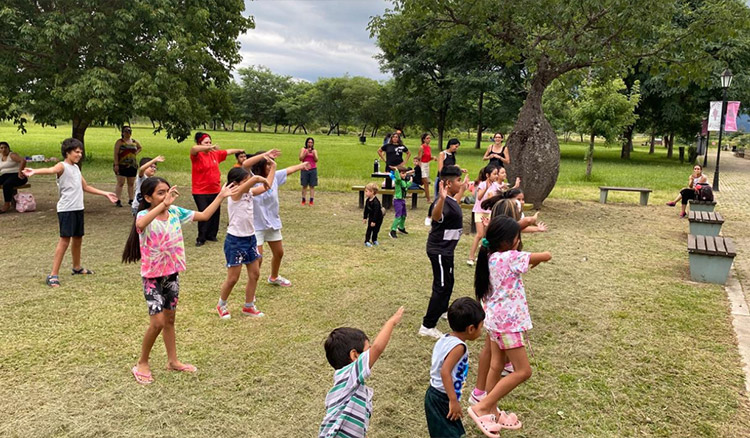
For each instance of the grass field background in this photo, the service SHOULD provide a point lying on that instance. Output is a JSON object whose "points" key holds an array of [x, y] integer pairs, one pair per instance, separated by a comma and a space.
{"points": [[624, 345]]}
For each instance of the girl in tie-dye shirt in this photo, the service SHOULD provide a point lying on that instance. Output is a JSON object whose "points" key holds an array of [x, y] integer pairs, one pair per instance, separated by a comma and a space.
{"points": [[499, 287], [156, 240]]}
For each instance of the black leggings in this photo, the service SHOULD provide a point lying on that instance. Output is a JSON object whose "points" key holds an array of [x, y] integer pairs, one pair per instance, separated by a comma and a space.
{"points": [[10, 181], [686, 195], [442, 288], [209, 229], [372, 232]]}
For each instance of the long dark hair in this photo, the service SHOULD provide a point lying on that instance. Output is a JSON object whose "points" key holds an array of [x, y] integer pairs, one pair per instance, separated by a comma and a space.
{"points": [[308, 139], [237, 175], [259, 167], [132, 251], [484, 173], [501, 234]]}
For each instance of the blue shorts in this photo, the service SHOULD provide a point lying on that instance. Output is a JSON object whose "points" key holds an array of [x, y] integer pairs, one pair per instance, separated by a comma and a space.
{"points": [[240, 250]]}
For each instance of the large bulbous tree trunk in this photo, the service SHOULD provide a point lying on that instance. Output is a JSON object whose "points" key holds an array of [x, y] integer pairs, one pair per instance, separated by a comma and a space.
{"points": [[534, 150]]}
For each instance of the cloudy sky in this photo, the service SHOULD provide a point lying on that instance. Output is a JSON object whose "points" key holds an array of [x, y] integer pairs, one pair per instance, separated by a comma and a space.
{"points": [[308, 39]]}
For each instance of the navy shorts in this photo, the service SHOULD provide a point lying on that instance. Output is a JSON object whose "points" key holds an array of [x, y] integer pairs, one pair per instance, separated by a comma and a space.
{"points": [[240, 250], [309, 178], [71, 223], [161, 293]]}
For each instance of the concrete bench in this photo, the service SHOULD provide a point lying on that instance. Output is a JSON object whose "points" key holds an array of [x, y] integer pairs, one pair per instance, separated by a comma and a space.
{"points": [[710, 258], [388, 192], [705, 223], [696, 205], [604, 191]]}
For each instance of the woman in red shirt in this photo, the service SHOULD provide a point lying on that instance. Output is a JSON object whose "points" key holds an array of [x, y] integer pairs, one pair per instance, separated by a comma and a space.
{"points": [[205, 158], [425, 156]]}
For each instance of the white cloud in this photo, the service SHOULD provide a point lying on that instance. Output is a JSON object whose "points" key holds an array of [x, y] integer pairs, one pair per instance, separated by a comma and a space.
{"points": [[308, 39]]}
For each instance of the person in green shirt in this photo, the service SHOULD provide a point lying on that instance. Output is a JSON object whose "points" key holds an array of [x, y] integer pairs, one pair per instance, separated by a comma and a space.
{"points": [[400, 186]]}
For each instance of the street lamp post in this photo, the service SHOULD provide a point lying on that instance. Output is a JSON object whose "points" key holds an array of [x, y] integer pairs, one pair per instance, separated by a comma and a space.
{"points": [[726, 81]]}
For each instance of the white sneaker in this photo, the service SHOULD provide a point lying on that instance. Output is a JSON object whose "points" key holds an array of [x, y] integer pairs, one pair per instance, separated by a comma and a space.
{"points": [[444, 315], [432, 332], [280, 281], [470, 262], [427, 221]]}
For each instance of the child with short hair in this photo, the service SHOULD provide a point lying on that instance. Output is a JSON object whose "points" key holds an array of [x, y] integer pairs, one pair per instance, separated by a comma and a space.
{"points": [[240, 156], [373, 215], [240, 245], [400, 186], [499, 287], [70, 186], [349, 402], [147, 170], [450, 367], [156, 240], [446, 228]]}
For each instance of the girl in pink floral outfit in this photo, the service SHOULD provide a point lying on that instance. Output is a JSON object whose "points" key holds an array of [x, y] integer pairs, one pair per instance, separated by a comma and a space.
{"points": [[499, 287], [156, 240]]}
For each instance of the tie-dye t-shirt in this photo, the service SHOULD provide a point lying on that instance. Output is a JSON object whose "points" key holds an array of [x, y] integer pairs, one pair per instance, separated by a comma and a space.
{"points": [[506, 308], [162, 247]]}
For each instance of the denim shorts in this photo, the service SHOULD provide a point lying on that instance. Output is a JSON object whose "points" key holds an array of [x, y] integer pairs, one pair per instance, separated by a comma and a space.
{"points": [[240, 250]]}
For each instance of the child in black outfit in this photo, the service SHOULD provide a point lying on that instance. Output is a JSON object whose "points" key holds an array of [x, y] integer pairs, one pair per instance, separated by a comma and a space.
{"points": [[373, 215]]}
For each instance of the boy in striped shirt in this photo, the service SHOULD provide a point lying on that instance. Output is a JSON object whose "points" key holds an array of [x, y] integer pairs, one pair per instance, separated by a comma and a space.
{"points": [[349, 402]]}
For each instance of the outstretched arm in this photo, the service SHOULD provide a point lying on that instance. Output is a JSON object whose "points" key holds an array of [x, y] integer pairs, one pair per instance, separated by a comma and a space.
{"points": [[143, 221], [270, 155], [381, 341], [268, 181], [539, 257], [57, 169], [302, 166], [94, 191], [227, 190]]}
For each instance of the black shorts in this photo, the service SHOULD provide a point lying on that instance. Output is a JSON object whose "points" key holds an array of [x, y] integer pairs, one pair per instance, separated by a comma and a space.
{"points": [[309, 178], [436, 407], [161, 293], [129, 172], [71, 223]]}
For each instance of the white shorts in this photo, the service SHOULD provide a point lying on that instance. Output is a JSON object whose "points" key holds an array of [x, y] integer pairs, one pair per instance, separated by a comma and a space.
{"points": [[425, 171], [269, 235]]}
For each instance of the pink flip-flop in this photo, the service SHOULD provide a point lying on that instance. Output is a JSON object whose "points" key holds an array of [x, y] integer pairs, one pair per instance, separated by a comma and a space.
{"points": [[142, 378], [486, 423], [185, 368], [508, 420]]}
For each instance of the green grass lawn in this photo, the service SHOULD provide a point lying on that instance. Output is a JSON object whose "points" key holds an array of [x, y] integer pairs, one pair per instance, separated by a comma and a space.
{"points": [[624, 345]]}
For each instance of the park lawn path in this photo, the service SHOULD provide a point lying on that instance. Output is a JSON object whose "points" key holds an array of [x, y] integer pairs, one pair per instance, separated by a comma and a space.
{"points": [[623, 343]]}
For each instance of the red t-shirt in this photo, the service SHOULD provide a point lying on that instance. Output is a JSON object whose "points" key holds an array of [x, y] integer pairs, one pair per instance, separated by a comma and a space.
{"points": [[206, 173], [426, 153]]}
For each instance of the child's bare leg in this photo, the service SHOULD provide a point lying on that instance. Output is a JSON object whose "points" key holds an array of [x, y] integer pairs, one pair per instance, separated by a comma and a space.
{"points": [[62, 246], [260, 260], [497, 363], [253, 273], [522, 372], [277, 249], [304, 192], [312, 192], [233, 275], [484, 364], [118, 186], [477, 238], [426, 185], [155, 326], [131, 188], [170, 339], [75, 251]]}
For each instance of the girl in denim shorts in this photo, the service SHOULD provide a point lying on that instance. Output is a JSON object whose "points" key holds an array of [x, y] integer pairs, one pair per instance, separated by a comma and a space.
{"points": [[499, 287]]}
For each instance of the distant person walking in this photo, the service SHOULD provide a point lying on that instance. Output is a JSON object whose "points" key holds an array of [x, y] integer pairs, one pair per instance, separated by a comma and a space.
{"points": [[126, 163], [206, 177], [309, 177]]}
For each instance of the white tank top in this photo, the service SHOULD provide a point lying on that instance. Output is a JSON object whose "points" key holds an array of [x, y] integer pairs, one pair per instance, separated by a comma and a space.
{"points": [[70, 189], [7, 165], [241, 216]]}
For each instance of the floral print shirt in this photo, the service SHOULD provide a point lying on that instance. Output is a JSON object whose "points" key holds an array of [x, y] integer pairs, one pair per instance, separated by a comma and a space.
{"points": [[506, 308], [162, 247]]}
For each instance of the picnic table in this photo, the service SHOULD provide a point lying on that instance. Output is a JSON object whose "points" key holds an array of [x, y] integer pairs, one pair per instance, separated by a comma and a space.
{"points": [[388, 185]]}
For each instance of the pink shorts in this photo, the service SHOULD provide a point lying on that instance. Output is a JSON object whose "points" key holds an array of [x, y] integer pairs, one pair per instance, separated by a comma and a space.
{"points": [[508, 341]]}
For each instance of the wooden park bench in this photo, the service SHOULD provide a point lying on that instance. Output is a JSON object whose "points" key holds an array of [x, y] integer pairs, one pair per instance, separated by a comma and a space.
{"points": [[603, 191], [388, 192], [705, 223], [696, 205], [710, 258]]}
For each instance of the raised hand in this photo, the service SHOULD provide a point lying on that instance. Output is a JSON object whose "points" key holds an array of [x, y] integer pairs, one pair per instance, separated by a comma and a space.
{"points": [[396, 318], [170, 197], [273, 153], [159, 159], [229, 189], [518, 182], [265, 183], [442, 190], [541, 227]]}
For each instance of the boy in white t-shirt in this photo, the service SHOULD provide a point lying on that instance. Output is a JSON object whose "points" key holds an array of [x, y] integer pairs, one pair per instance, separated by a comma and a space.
{"points": [[450, 366]]}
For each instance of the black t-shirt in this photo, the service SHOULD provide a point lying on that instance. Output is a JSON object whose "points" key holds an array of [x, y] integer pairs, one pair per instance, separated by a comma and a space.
{"points": [[444, 234], [393, 154], [417, 177]]}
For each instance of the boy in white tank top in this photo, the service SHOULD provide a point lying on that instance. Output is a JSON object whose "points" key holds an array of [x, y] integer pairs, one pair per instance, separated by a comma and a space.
{"points": [[70, 187]]}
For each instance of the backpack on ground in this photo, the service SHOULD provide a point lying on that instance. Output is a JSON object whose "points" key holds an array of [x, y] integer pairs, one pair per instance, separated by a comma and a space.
{"points": [[703, 192], [24, 202]]}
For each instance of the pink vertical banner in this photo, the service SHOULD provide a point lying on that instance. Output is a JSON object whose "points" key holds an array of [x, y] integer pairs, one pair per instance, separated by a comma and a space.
{"points": [[704, 127], [733, 108]]}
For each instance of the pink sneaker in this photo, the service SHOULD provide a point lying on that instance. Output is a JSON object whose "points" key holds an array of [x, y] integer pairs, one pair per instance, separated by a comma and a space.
{"points": [[252, 311]]}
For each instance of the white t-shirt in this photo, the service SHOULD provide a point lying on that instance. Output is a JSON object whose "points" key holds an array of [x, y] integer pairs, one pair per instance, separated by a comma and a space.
{"points": [[267, 205], [459, 372], [138, 181]]}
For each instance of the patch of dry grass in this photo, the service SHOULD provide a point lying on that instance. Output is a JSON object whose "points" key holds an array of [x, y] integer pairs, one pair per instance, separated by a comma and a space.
{"points": [[624, 345]]}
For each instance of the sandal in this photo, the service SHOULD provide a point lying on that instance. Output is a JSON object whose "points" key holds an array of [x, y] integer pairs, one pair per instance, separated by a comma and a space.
{"points": [[671, 203], [142, 378], [508, 421], [486, 424], [185, 368], [53, 281], [82, 271]]}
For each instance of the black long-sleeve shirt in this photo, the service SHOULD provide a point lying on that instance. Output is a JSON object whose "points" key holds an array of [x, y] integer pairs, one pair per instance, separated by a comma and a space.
{"points": [[373, 210]]}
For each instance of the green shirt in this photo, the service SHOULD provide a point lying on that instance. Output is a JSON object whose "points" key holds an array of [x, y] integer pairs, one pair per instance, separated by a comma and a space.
{"points": [[400, 185]]}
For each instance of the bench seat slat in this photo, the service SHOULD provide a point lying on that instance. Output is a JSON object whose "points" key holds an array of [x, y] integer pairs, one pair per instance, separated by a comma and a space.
{"points": [[691, 242], [701, 241], [692, 215], [626, 189], [720, 248], [730, 246], [711, 244]]}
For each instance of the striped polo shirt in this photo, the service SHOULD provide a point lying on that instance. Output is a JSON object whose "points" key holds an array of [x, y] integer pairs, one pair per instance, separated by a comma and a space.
{"points": [[349, 402]]}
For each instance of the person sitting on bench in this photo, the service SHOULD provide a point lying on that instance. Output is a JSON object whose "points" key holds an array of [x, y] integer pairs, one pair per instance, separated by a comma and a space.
{"points": [[697, 177], [11, 176]]}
